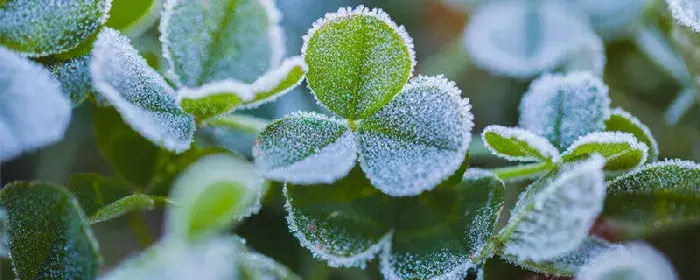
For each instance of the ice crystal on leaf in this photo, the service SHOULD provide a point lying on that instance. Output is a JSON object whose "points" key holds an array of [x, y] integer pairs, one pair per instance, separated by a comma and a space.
{"points": [[620, 150], [33, 111], [74, 76], [517, 144], [45, 27], [358, 60], [417, 140], [622, 121], [143, 98], [686, 12], [634, 261], [553, 215], [564, 108]]}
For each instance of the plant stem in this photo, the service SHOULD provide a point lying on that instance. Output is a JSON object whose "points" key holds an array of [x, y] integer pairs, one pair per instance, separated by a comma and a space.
{"points": [[522, 172], [140, 229]]}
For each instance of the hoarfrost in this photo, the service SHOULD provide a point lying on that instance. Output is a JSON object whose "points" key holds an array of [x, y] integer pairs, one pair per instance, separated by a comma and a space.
{"points": [[686, 12], [663, 175], [563, 108], [633, 261], [517, 144], [242, 91], [397, 266], [620, 120], [33, 111], [74, 76], [305, 148], [621, 150], [143, 98], [417, 140]]}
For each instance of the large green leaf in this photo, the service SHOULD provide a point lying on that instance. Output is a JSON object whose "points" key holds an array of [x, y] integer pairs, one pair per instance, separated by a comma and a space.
{"points": [[635, 261], [564, 108], [418, 140], [655, 197], [45, 27], [621, 150], [143, 98], [305, 148], [621, 121], [358, 60], [133, 17], [33, 111], [553, 215], [94, 191], [215, 40], [48, 235], [74, 76], [517, 144]]}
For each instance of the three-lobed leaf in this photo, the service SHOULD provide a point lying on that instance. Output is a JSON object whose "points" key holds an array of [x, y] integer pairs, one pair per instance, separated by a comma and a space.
{"points": [[517, 144], [621, 151], [622, 121]]}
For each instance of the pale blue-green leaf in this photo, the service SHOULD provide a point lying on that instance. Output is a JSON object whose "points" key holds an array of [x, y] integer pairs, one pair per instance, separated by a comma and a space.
{"points": [[418, 140], [121, 207], [634, 261], [305, 148], [4, 231], [517, 144], [209, 41], [45, 27], [613, 19], [686, 12], [143, 98], [33, 111], [74, 76], [621, 151], [563, 108]]}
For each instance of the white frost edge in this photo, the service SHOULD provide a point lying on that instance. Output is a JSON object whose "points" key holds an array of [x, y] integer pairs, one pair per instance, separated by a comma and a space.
{"points": [[537, 142], [685, 164], [637, 256], [614, 137], [273, 78], [165, 16], [654, 149], [377, 13], [681, 16], [228, 86], [358, 260], [126, 109], [457, 273], [142, 24]]}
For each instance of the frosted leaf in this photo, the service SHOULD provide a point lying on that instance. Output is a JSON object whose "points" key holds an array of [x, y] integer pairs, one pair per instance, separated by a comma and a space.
{"points": [[656, 197], [634, 261], [620, 150], [345, 224], [48, 236], [358, 59], [28, 88], [253, 265], [4, 249], [74, 76], [553, 215], [211, 194], [121, 207], [612, 19], [622, 121], [686, 12], [418, 140], [210, 259], [517, 144], [278, 82], [567, 264], [143, 98], [94, 191], [209, 41], [443, 233], [564, 108], [523, 38], [305, 148], [134, 17], [214, 99], [45, 27]]}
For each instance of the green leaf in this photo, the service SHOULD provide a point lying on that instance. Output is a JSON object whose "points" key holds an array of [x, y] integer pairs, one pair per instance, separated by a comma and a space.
{"points": [[358, 59], [253, 265], [214, 99], [121, 207], [217, 40], [629, 262], [33, 111], [48, 236], [169, 166], [45, 27], [443, 233], [622, 121], [418, 140], [133, 17], [278, 82], [211, 194], [553, 215], [564, 108], [74, 76], [94, 191], [143, 98], [517, 144], [345, 224], [620, 150], [305, 148], [656, 197], [243, 123]]}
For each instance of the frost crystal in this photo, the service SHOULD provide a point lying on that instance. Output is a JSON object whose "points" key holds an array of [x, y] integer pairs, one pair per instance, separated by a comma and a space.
{"points": [[208, 41], [517, 144], [143, 98], [74, 76], [634, 261], [683, 176], [564, 108], [621, 150], [33, 111], [418, 140], [305, 148], [553, 215], [523, 38], [45, 27], [686, 12]]}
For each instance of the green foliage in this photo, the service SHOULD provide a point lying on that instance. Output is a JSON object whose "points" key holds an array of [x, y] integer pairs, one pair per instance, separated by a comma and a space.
{"points": [[48, 234], [133, 17], [518, 144], [203, 104], [121, 207], [621, 151], [621, 121], [253, 265], [74, 76], [94, 191]]}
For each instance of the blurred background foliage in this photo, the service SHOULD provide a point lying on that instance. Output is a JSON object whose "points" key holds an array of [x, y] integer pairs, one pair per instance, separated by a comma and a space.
{"points": [[636, 84]]}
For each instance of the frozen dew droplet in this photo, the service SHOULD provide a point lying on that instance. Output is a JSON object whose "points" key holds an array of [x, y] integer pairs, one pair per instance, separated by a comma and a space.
{"points": [[634, 261], [686, 12]]}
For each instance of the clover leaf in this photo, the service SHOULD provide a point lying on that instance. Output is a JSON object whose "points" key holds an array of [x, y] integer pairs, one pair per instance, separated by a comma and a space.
{"points": [[622, 121], [517, 144], [621, 151]]}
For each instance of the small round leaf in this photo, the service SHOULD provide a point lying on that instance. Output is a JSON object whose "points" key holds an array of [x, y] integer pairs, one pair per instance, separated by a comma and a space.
{"points": [[620, 150], [622, 121], [517, 144], [214, 99]]}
